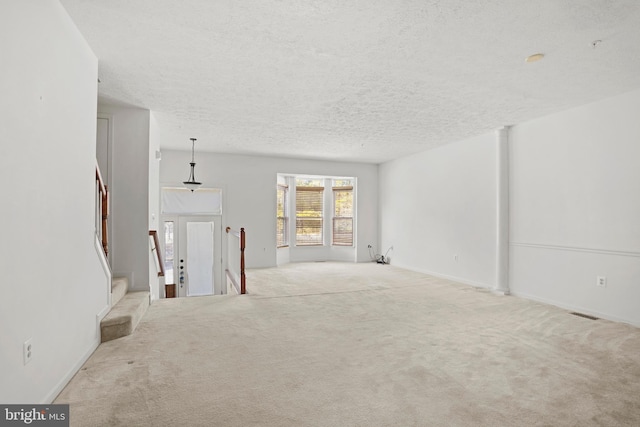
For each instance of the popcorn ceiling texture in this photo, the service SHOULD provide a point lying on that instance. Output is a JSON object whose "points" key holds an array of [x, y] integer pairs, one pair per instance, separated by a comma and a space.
{"points": [[360, 81]]}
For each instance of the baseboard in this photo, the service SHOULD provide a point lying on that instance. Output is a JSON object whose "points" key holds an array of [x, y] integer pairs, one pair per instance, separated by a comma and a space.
{"points": [[104, 263], [103, 313], [69, 375], [525, 296], [575, 308], [461, 280]]}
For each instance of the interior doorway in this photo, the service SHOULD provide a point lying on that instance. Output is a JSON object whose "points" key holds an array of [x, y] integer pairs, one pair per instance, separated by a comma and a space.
{"points": [[193, 254]]}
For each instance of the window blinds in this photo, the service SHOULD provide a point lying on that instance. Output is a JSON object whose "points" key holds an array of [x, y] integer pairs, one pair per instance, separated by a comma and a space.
{"points": [[343, 216], [309, 215]]}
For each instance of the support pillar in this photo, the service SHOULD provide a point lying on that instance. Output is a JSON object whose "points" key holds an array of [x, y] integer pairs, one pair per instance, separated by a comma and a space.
{"points": [[502, 211]]}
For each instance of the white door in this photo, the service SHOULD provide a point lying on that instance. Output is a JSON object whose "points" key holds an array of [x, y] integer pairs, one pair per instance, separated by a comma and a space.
{"points": [[198, 264]]}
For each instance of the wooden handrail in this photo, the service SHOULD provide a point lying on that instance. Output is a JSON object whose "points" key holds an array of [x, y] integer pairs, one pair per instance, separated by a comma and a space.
{"points": [[156, 249], [243, 278], [103, 188], [104, 211]]}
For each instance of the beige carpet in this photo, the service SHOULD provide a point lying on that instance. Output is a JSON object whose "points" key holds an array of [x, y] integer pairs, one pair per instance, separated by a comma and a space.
{"points": [[330, 344]]}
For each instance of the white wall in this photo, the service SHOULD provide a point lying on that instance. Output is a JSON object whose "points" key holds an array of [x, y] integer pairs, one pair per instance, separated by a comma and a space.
{"points": [[53, 285], [130, 194], [156, 284], [441, 203], [575, 208], [249, 185]]}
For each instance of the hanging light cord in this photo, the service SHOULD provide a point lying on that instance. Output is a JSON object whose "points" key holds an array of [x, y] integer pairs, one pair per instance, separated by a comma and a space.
{"points": [[192, 183], [193, 144]]}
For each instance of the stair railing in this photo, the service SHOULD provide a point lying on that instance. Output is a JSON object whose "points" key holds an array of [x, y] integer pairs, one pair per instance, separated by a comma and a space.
{"points": [[235, 260], [155, 248], [102, 211]]}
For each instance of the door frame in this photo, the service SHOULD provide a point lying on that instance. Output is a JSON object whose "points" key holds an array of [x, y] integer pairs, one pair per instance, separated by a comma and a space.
{"points": [[218, 282]]}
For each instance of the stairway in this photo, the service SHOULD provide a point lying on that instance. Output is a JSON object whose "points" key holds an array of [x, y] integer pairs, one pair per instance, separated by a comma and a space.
{"points": [[127, 308]]}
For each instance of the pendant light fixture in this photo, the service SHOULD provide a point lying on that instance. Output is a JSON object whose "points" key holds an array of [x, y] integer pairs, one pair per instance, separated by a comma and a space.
{"points": [[192, 184]]}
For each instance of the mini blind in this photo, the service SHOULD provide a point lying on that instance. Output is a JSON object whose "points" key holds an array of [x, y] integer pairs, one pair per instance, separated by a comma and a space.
{"points": [[342, 230], [309, 215]]}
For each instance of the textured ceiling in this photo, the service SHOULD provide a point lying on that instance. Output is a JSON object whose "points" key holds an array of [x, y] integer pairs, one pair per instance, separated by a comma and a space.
{"points": [[364, 81]]}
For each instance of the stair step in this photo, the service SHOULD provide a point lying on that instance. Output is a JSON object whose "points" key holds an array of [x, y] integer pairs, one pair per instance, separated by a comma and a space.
{"points": [[124, 317], [119, 286]]}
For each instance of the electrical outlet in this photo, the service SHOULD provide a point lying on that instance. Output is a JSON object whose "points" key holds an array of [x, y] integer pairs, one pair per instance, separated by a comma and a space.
{"points": [[27, 351], [601, 281]]}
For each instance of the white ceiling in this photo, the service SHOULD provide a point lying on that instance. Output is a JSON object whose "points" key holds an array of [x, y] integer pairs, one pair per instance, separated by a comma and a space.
{"points": [[362, 80]]}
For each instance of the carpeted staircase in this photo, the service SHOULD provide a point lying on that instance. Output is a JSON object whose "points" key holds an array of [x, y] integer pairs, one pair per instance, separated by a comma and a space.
{"points": [[127, 308]]}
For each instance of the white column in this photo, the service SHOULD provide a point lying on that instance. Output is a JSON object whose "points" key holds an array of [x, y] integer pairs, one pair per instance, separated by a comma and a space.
{"points": [[502, 211]]}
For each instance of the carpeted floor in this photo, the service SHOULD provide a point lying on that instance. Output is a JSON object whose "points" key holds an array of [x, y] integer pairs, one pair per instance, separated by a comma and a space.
{"points": [[333, 344]]}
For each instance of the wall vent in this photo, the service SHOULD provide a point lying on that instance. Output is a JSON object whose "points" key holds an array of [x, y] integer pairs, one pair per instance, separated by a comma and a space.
{"points": [[586, 316]]}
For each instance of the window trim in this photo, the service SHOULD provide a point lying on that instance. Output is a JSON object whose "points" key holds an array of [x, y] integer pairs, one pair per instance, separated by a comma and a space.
{"points": [[334, 217], [285, 218]]}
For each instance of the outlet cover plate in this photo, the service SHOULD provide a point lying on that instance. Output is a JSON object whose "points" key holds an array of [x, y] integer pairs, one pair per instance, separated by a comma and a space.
{"points": [[601, 281], [27, 351]]}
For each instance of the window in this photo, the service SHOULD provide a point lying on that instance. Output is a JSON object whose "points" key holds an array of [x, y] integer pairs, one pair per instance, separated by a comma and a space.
{"points": [[168, 253], [315, 211], [309, 205], [282, 228], [342, 231], [205, 201]]}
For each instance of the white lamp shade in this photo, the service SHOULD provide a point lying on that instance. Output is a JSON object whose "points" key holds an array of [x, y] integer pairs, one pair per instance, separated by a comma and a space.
{"points": [[192, 185]]}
